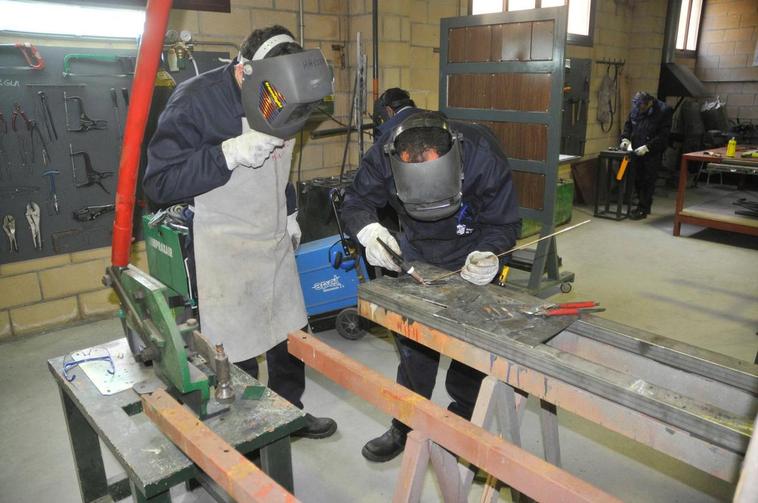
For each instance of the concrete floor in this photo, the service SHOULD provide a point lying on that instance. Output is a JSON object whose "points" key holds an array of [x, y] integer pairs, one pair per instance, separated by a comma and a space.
{"points": [[701, 289]]}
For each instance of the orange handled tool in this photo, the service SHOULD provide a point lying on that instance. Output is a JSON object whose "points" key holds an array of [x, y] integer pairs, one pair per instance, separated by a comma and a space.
{"points": [[622, 169]]}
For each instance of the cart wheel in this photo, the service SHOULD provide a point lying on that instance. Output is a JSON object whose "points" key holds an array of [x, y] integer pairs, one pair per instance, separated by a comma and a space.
{"points": [[566, 287], [348, 324]]}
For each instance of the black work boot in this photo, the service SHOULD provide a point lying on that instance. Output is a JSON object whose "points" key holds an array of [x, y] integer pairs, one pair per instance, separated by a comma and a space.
{"points": [[316, 427], [638, 214], [386, 447]]}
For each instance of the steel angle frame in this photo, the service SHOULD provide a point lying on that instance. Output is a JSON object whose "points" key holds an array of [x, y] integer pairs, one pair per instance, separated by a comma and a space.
{"points": [[546, 257]]}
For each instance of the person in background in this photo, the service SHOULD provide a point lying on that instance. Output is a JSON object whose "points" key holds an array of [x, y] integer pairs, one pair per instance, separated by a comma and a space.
{"points": [[451, 187], [225, 142], [646, 134], [393, 101]]}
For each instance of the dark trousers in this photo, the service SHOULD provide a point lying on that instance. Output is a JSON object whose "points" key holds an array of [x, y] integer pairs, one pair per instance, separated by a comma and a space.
{"points": [[645, 174], [286, 374], [418, 371]]}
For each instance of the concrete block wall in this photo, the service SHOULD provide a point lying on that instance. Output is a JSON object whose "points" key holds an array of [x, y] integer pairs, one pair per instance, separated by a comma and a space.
{"points": [[728, 43], [44, 293]]}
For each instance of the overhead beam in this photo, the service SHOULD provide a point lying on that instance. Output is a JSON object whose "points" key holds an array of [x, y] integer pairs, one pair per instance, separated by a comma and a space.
{"points": [[240, 478], [516, 467]]}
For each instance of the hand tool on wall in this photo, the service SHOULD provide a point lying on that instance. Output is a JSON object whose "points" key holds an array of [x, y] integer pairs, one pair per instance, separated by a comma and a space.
{"points": [[89, 213], [85, 123], [516, 248], [18, 112], [47, 117], [125, 95], [52, 197], [125, 64], [34, 129], [34, 59], [9, 226], [32, 217], [117, 119], [93, 176], [565, 309], [4, 166]]}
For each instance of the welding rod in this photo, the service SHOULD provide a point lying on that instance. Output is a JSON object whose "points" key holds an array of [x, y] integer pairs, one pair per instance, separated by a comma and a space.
{"points": [[401, 263], [516, 248]]}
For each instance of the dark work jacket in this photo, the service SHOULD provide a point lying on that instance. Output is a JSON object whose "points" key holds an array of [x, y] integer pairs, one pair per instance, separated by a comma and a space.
{"points": [[184, 158], [651, 128], [488, 219]]}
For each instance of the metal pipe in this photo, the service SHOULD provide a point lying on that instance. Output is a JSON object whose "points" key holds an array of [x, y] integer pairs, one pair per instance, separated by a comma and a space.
{"points": [[375, 43], [151, 45], [669, 36], [302, 23]]}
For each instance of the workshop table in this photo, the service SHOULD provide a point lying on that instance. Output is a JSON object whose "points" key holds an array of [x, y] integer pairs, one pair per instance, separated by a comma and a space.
{"points": [[152, 463], [714, 214], [692, 404]]}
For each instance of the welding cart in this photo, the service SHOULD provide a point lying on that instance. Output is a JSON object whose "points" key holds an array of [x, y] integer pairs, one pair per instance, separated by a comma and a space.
{"points": [[331, 268]]}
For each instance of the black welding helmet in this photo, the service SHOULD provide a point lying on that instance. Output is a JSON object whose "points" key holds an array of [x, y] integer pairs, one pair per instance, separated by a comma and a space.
{"points": [[430, 190], [280, 93]]}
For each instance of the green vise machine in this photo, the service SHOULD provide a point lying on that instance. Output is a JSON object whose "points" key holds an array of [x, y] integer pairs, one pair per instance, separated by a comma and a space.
{"points": [[151, 304]]}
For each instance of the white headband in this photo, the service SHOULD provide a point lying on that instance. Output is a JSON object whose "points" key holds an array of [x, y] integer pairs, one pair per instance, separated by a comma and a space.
{"points": [[270, 44]]}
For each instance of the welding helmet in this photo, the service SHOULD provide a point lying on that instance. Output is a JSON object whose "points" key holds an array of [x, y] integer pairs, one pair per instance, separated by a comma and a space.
{"points": [[429, 190], [280, 93]]}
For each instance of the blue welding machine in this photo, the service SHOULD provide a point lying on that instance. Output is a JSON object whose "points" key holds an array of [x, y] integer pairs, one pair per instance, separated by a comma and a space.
{"points": [[329, 277]]}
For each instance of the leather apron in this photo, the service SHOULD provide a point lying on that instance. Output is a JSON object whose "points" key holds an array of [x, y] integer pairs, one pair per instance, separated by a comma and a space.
{"points": [[248, 285]]}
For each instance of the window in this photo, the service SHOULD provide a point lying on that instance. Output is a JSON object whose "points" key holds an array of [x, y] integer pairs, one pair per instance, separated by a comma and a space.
{"points": [[70, 20], [689, 25], [580, 15]]}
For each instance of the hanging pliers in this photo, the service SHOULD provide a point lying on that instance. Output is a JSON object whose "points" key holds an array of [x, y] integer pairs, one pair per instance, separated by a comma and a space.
{"points": [[32, 216], [565, 309], [18, 112], [9, 226]]}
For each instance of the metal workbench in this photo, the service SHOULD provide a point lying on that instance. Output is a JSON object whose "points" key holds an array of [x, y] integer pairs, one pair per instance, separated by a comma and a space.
{"points": [[692, 404], [151, 462]]}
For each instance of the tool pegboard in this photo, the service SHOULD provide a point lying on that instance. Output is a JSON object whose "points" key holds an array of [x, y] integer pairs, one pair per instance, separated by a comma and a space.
{"points": [[96, 89], [576, 98]]}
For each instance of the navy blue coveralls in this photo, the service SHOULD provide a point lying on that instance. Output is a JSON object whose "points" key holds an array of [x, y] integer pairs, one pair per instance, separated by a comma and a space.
{"points": [[185, 159], [488, 220], [651, 128]]}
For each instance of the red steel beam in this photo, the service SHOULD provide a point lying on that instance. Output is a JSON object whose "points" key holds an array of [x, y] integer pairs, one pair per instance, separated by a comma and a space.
{"points": [[240, 478], [662, 437], [148, 58], [516, 467]]}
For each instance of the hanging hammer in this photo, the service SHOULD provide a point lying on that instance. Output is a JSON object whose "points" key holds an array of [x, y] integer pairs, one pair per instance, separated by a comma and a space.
{"points": [[53, 196]]}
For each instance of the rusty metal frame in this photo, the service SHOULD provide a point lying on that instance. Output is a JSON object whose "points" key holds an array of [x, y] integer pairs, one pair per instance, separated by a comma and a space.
{"points": [[663, 437], [516, 467], [240, 478]]}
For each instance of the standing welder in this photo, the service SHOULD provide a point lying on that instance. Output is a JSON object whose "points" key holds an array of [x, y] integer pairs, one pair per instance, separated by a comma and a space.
{"points": [[451, 187], [225, 140], [646, 132]]}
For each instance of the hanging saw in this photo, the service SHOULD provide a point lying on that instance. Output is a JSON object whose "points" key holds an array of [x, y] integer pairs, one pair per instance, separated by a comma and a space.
{"points": [[34, 60], [125, 64]]}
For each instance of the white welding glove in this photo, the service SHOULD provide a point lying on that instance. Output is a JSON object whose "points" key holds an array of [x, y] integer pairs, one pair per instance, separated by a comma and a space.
{"points": [[375, 252], [249, 150], [625, 144], [640, 151], [480, 268], [293, 228]]}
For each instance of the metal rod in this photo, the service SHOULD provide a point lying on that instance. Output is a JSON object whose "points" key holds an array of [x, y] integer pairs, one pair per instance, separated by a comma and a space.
{"points": [[520, 247]]}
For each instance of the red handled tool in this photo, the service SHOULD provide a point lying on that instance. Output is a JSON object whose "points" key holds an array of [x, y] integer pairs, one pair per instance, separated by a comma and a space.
{"points": [[566, 309]]}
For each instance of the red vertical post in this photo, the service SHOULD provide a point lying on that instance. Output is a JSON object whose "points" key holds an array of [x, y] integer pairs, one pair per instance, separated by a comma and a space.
{"points": [[148, 58]]}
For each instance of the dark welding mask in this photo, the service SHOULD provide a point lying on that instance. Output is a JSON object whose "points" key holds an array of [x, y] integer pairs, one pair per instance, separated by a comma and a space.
{"points": [[281, 92], [429, 190]]}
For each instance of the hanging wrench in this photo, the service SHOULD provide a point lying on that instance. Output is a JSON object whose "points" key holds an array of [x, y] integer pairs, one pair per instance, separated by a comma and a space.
{"points": [[3, 152], [9, 226], [32, 216]]}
